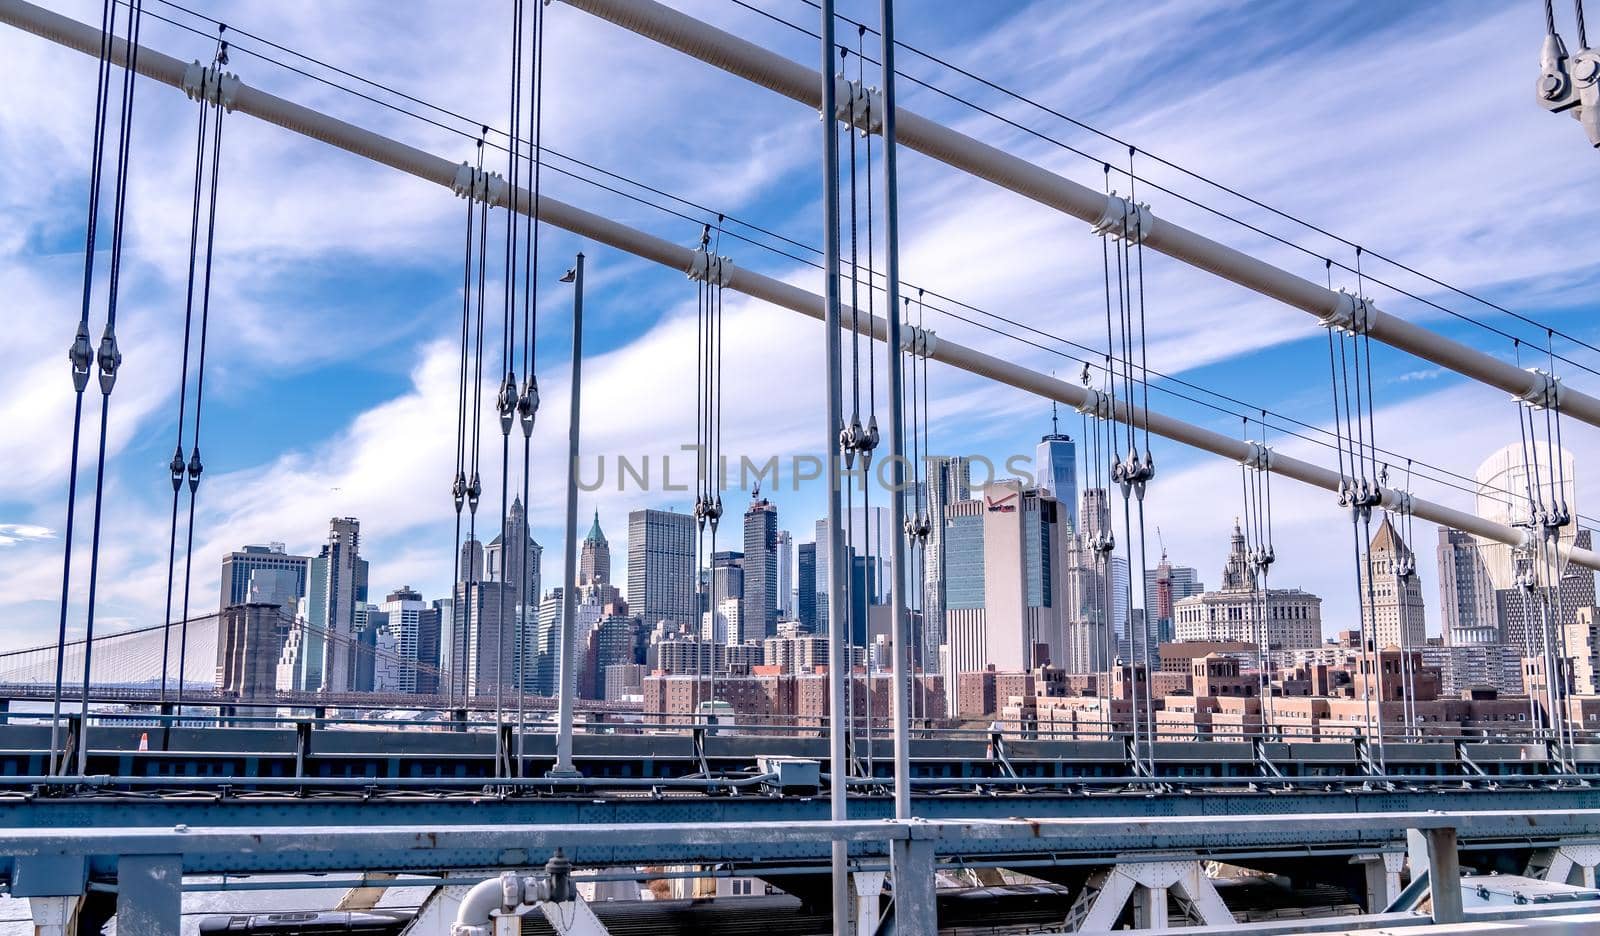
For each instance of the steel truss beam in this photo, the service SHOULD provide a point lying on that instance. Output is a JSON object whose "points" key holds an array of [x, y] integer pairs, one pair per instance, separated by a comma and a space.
{"points": [[211, 849], [752, 62], [441, 171]]}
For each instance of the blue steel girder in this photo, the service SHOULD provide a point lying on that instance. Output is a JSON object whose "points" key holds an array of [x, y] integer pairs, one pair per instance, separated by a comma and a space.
{"points": [[291, 834]]}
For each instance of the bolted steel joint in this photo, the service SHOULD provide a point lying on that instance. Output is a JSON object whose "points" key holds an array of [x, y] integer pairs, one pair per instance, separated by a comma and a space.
{"points": [[195, 468], [480, 185], [1349, 313], [474, 491], [706, 267], [1097, 404], [81, 355], [507, 403], [1555, 86], [109, 359], [510, 890], [1544, 389], [176, 467], [528, 405], [1258, 457], [1125, 220]]}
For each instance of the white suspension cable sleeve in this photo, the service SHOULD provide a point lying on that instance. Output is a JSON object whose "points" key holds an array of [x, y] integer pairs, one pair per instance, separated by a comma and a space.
{"points": [[752, 62], [441, 171]]}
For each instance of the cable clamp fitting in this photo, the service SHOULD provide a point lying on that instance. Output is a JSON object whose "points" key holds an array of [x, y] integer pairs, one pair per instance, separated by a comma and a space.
{"points": [[1544, 391], [480, 185], [1350, 313], [1260, 457], [857, 105], [707, 267], [1096, 404], [1125, 220], [209, 83], [1401, 502], [921, 342]]}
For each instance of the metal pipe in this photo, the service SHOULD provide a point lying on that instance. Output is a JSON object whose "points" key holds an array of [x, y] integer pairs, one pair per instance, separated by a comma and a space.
{"points": [[838, 612], [436, 169], [482, 899], [901, 631], [791, 79], [569, 583]]}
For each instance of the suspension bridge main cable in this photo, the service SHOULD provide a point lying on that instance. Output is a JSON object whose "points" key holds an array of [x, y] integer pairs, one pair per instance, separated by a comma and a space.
{"points": [[1045, 137], [443, 172], [1460, 483], [717, 47], [1471, 488]]}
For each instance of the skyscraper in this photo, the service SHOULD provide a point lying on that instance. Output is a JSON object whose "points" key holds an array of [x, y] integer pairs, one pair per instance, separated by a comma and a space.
{"points": [[594, 563], [1394, 610], [759, 615], [469, 567], [486, 624], [1096, 511], [866, 541], [786, 609], [415, 625], [949, 482], [238, 567], [1055, 469], [727, 583], [661, 573], [336, 601], [1121, 616], [505, 564], [1467, 614], [1163, 585], [806, 588], [1002, 574]]}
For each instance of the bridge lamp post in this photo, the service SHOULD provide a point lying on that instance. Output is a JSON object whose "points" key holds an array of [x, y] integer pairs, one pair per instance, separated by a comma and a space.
{"points": [[569, 583]]}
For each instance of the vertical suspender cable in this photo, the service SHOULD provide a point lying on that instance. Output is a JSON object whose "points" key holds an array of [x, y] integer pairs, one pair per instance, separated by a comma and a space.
{"points": [[1267, 556], [473, 619], [852, 443], [456, 672], [81, 356], [704, 591], [1527, 581], [506, 402], [528, 403], [869, 442], [177, 465], [109, 359], [1142, 472], [195, 467]]}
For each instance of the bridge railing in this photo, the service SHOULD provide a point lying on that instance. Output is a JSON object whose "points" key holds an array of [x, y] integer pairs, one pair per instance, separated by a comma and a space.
{"points": [[214, 711]]}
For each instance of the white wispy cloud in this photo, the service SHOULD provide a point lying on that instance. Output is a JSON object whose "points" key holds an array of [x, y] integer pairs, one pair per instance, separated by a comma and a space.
{"points": [[13, 533], [310, 236]]}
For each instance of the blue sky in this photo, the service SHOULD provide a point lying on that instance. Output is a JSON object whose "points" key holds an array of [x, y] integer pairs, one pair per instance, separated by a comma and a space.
{"points": [[1410, 129]]}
